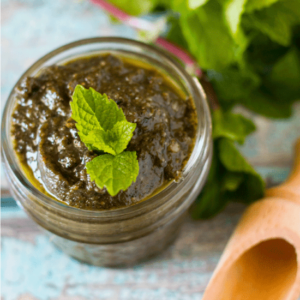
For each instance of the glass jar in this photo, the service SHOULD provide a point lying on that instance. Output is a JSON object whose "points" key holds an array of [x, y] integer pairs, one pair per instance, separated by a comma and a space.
{"points": [[126, 235]]}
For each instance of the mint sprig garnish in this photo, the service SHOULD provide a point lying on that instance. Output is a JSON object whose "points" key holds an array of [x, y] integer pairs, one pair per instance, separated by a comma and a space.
{"points": [[102, 126]]}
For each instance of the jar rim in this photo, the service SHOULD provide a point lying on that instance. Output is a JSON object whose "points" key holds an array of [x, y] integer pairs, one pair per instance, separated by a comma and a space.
{"points": [[173, 187]]}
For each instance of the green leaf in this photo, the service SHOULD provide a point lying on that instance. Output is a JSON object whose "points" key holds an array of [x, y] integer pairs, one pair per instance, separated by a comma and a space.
{"points": [[193, 4], [232, 181], [263, 53], [284, 79], [210, 202], [115, 173], [258, 4], [135, 7], [107, 111], [232, 159], [277, 20], [83, 110], [175, 34], [233, 12], [232, 126], [233, 83], [92, 110], [113, 141], [207, 36], [95, 113], [251, 189], [263, 102], [253, 185]]}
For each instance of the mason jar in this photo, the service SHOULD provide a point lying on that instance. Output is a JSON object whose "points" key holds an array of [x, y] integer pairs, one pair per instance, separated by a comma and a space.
{"points": [[122, 236]]}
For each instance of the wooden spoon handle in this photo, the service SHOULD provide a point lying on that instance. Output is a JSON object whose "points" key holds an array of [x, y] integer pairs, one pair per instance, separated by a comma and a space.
{"points": [[295, 174], [290, 189]]}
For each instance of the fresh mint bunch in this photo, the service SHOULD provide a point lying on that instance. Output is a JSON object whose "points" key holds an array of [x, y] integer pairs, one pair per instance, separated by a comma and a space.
{"points": [[102, 127]]}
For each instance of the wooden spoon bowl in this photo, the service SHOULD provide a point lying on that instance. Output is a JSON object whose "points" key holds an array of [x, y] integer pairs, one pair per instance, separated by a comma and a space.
{"points": [[262, 258]]}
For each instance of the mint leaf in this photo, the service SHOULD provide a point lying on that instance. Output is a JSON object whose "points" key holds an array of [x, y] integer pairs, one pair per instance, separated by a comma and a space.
{"points": [[263, 53], [262, 96], [116, 173], [265, 103], [253, 185], [83, 111], [210, 202], [135, 7], [258, 4], [277, 20], [101, 123], [232, 181], [233, 83], [107, 111], [175, 34], [232, 126], [113, 141], [193, 4], [102, 126], [198, 28], [232, 159], [92, 110], [284, 80], [233, 12]]}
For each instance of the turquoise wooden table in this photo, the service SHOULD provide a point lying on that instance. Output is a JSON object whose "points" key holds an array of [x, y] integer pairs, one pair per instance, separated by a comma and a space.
{"points": [[31, 267]]}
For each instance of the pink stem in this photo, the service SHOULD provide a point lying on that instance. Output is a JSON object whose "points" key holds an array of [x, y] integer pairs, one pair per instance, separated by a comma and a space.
{"points": [[116, 12], [138, 23]]}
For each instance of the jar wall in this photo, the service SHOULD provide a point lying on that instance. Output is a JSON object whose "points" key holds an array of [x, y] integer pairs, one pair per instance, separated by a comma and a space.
{"points": [[126, 253]]}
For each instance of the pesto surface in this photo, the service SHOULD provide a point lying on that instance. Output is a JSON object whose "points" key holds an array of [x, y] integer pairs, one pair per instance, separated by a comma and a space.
{"points": [[47, 142]]}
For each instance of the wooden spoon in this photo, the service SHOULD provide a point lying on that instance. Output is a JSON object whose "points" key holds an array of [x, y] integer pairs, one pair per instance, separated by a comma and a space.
{"points": [[262, 258]]}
